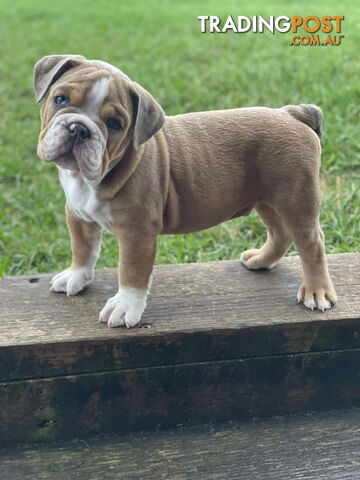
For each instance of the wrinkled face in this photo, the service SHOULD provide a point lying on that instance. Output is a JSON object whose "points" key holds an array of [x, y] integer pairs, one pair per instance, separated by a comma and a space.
{"points": [[86, 119], [91, 114]]}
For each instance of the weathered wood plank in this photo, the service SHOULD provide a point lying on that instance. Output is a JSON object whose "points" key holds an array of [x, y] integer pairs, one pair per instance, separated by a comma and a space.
{"points": [[201, 312], [163, 397], [311, 447]]}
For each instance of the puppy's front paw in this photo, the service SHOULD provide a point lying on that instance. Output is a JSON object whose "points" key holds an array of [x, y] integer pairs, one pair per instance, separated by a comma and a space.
{"points": [[125, 308], [72, 280], [320, 298]]}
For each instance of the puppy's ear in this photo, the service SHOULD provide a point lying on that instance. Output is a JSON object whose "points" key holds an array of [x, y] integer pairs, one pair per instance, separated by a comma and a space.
{"points": [[149, 116], [48, 69]]}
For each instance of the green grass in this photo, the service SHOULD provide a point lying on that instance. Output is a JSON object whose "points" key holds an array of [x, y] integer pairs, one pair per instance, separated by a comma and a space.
{"points": [[159, 44]]}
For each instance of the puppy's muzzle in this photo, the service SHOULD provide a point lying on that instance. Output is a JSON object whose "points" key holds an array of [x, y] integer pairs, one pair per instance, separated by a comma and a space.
{"points": [[79, 132], [74, 142]]}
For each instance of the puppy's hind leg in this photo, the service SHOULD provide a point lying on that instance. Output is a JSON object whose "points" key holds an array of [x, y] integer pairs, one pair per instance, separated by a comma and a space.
{"points": [[302, 219], [277, 244]]}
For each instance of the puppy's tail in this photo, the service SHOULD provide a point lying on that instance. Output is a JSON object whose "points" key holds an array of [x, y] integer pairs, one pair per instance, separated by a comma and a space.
{"points": [[309, 114]]}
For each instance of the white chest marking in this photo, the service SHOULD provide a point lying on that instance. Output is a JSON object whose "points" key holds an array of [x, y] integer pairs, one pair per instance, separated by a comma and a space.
{"points": [[82, 200]]}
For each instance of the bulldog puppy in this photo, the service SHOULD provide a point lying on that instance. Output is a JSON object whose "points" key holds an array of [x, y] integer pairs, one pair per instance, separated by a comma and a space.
{"points": [[127, 168]]}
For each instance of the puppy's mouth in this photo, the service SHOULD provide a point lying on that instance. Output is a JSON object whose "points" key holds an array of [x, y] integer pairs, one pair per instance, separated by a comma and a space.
{"points": [[66, 161], [74, 142]]}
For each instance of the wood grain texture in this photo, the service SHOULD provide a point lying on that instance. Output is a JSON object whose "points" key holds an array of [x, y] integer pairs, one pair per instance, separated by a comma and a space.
{"points": [[196, 312], [311, 447]]}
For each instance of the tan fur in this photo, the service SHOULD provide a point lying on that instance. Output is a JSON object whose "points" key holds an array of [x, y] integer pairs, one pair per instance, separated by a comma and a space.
{"points": [[189, 172]]}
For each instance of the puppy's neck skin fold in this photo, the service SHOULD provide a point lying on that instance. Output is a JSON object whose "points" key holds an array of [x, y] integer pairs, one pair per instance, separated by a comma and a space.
{"points": [[119, 174]]}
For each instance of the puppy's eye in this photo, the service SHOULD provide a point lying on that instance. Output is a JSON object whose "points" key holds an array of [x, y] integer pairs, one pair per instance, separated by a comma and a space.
{"points": [[113, 124], [61, 100]]}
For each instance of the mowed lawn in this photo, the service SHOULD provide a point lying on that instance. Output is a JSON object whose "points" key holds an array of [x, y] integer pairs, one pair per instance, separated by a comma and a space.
{"points": [[159, 44]]}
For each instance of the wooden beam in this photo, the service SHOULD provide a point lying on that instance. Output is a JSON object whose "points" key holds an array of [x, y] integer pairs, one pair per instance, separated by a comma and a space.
{"points": [[217, 342], [196, 312]]}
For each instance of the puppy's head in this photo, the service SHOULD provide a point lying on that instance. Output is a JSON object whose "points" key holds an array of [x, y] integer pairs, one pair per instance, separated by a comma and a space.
{"points": [[91, 113]]}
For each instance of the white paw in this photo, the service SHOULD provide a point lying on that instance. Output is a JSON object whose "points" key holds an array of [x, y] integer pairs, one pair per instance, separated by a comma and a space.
{"points": [[319, 298], [125, 308], [72, 280]]}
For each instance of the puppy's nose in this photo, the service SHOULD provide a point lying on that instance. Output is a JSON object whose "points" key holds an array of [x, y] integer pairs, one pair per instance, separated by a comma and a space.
{"points": [[79, 131]]}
